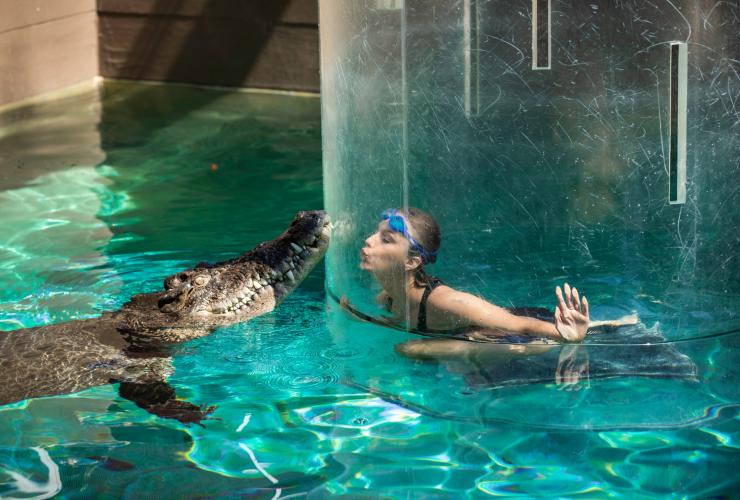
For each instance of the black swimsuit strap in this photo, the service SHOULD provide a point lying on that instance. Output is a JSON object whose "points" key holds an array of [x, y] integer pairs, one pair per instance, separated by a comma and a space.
{"points": [[421, 322]]}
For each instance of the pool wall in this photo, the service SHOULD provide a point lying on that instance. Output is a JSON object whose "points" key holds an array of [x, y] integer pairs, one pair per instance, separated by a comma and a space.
{"points": [[234, 43], [47, 46]]}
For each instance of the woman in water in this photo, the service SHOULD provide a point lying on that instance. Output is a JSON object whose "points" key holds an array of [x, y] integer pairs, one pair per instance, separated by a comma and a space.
{"points": [[407, 240]]}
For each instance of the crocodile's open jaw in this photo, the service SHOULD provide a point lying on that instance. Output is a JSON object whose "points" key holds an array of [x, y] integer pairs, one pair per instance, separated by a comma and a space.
{"points": [[253, 283]]}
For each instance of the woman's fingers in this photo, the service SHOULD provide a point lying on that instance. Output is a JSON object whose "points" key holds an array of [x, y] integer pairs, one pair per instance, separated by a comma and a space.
{"points": [[571, 299], [576, 300], [561, 301], [568, 296]]}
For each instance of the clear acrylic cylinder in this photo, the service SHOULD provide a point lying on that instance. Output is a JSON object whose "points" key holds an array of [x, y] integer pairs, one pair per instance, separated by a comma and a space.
{"points": [[551, 141]]}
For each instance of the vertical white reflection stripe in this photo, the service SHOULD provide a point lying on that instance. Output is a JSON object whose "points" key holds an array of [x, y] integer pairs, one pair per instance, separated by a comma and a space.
{"points": [[677, 123], [682, 110], [471, 54], [466, 54], [537, 6]]}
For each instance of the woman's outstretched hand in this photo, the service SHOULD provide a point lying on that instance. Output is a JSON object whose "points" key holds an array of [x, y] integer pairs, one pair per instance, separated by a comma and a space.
{"points": [[571, 314]]}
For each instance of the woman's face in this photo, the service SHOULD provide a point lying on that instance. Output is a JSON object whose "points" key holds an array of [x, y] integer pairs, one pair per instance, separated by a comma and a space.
{"points": [[385, 251]]}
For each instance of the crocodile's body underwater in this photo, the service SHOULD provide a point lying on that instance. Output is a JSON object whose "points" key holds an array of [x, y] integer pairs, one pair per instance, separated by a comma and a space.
{"points": [[129, 346]]}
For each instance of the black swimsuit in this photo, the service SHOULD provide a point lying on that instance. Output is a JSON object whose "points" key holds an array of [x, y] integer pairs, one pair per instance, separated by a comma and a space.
{"points": [[421, 322]]}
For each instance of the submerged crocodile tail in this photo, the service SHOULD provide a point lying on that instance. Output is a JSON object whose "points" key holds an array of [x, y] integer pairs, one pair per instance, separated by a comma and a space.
{"points": [[64, 358]]}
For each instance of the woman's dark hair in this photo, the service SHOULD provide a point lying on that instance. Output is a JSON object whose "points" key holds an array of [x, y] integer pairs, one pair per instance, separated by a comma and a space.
{"points": [[427, 233]]}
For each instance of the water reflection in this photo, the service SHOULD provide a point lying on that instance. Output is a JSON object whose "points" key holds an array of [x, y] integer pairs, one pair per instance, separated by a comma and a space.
{"points": [[569, 367], [51, 194]]}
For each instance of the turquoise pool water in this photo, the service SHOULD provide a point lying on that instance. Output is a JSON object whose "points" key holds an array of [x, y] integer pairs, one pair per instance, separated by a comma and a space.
{"points": [[152, 179]]}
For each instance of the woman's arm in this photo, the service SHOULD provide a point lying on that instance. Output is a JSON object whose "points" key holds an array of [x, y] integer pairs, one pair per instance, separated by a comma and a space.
{"points": [[466, 310]]}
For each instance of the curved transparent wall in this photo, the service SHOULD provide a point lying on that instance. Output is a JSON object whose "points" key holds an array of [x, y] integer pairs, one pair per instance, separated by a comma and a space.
{"points": [[544, 158]]}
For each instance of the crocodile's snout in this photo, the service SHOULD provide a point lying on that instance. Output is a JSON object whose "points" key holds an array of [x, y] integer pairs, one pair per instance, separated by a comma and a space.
{"points": [[253, 283], [174, 300]]}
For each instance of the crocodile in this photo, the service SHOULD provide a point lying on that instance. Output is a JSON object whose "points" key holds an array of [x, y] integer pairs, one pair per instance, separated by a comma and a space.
{"points": [[130, 346]]}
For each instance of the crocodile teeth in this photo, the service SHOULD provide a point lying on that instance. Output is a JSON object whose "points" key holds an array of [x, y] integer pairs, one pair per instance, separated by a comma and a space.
{"points": [[295, 247], [256, 285], [263, 282], [248, 283], [290, 276]]}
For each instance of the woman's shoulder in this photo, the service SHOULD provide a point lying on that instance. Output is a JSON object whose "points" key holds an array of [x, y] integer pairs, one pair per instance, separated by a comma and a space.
{"points": [[449, 309], [446, 298], [456, 302], [444, 293]]}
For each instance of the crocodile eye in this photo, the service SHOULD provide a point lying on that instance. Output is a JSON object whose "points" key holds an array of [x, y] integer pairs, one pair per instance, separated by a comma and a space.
{"points": [[201, 280]]}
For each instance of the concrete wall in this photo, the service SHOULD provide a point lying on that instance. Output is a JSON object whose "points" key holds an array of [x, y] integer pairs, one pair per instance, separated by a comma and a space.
{"points": [[45, 45], [265, 44]]}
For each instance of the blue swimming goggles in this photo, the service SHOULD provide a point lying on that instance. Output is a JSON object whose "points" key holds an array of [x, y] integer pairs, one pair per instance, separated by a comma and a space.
{"points": [[398, 224]]}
